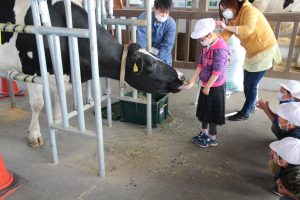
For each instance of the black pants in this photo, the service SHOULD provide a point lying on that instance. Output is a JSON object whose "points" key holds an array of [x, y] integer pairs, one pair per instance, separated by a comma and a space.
{"points": [[212, 127]]}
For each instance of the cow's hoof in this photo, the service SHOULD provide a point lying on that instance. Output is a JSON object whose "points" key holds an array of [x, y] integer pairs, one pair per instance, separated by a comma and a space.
{"points": [[35, 142]]}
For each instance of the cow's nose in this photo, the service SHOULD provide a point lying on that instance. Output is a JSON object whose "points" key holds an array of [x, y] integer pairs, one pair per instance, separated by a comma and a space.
{"points": [[180, 75]]}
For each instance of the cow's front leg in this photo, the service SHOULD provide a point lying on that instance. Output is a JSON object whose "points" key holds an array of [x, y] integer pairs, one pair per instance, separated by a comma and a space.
{"points": [[57, 106], [35, 91]]}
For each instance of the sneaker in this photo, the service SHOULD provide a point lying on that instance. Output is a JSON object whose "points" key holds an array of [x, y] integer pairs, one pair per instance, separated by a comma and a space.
{"points": [[275, 191], [238, 117], [206, 142], [200, 136]]}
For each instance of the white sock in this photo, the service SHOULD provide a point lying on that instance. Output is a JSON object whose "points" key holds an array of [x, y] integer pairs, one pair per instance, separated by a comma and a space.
{"points": [[212, 137]]}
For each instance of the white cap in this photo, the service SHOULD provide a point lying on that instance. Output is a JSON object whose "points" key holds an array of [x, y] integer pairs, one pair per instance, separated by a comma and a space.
{"points": [[292, 86], [290, 112], [296, 95], [288, 149], [203, 27]]}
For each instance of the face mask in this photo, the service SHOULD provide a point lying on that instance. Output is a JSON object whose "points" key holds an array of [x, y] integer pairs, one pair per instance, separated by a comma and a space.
{"points": [[205, 42], [279, 96], [227, 14], [160, 18]]}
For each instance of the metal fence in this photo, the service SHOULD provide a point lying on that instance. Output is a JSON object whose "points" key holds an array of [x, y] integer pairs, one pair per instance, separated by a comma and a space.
{"points": [[186, 50]]}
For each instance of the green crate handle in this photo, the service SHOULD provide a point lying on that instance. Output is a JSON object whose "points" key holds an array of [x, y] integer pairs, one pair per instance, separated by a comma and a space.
{"points": [[163, 106]]}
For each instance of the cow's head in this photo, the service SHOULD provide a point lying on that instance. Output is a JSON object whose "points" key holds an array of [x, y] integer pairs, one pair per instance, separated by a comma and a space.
{"points": [[149, 74]]}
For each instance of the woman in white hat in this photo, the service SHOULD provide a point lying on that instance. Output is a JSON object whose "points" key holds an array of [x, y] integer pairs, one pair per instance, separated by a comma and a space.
{"points": [[210, 70]]}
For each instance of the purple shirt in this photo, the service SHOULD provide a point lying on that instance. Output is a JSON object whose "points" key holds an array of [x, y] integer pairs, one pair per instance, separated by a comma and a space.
{"points": [[213, 61]]}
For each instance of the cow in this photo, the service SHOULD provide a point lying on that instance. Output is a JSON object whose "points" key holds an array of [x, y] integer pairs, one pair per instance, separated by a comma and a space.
{"points": [[285, 3], [280, 6], [19, 51]]}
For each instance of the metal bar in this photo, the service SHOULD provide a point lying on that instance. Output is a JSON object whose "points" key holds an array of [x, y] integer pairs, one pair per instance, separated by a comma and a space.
{"points": [[149, 45], [133, 33], [108, 101], [59, 31], [72, 130], [75, 66], [59, 77], [135, 22], [96, 86], [15, 75], [291, 47], [43, 66], [67, 4], [75, 112]]}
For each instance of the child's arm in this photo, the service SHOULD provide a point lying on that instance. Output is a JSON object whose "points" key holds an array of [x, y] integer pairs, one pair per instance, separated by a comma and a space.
{"points": [[194, 78], [264, 105], [210, 82]]}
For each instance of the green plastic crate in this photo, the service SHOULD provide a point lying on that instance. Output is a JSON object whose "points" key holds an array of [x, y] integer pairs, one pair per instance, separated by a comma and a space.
{"points": [[137, 113]]}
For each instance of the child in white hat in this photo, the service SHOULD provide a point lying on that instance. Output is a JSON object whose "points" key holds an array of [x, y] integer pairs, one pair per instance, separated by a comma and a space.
{"points": [[284, 95], [289, 120], [210, 70], [286, 154]]}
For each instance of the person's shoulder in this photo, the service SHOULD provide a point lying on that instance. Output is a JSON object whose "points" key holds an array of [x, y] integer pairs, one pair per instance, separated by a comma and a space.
{"points": [[221, 45], [170, 23], [142, 15], [171, 20]]}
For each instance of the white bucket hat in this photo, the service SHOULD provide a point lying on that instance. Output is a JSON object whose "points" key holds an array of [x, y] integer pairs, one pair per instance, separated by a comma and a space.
{"points": [[296, 95], [292, 86], [290, 112], [288, 149], [203, 27]]}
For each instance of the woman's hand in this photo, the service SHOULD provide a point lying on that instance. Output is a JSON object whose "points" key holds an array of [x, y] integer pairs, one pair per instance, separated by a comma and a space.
{"points": [[206, 90], [220, 24]]}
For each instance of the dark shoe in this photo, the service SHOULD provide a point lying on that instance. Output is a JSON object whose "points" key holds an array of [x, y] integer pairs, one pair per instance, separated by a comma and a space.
{"points": [[200, 136], [206, 142], [238, 117], [275, 191]]}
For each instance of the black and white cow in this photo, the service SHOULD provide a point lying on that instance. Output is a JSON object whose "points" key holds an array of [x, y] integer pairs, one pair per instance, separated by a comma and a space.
{"points": [[20, 52]]}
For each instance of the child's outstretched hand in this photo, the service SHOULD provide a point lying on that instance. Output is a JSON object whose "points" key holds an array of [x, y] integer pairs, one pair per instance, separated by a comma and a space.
{"points": [[188, 85], [206, 90], [262, 104]]}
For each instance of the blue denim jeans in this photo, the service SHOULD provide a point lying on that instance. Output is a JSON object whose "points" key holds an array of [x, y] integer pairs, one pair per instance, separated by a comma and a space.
{"points": [[251, 80], [285, 198]]}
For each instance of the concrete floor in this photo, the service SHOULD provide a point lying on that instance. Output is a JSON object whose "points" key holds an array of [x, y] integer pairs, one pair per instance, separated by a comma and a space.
{"points": [[164, 165]]}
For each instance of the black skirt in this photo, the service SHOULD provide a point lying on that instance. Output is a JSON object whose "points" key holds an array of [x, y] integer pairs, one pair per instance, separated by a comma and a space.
{"points": [[211, 108]]}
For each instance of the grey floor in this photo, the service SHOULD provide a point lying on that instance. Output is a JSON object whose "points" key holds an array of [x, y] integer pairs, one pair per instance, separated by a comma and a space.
{"points": [[164, 165]]}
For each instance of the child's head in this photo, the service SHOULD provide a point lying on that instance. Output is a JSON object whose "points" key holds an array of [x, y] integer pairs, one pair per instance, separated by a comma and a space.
{"points": [[288, 115], [286, 89], [204, 31], [286, 151], [290, 179]]}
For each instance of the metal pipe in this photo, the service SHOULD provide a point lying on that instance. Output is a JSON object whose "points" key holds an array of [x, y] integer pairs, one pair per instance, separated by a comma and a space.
{"points": [[135, 22], [68, 12], [75, 66], [149, 45], [96, 85], [43, 66], [59, 31], [108, 101]]}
